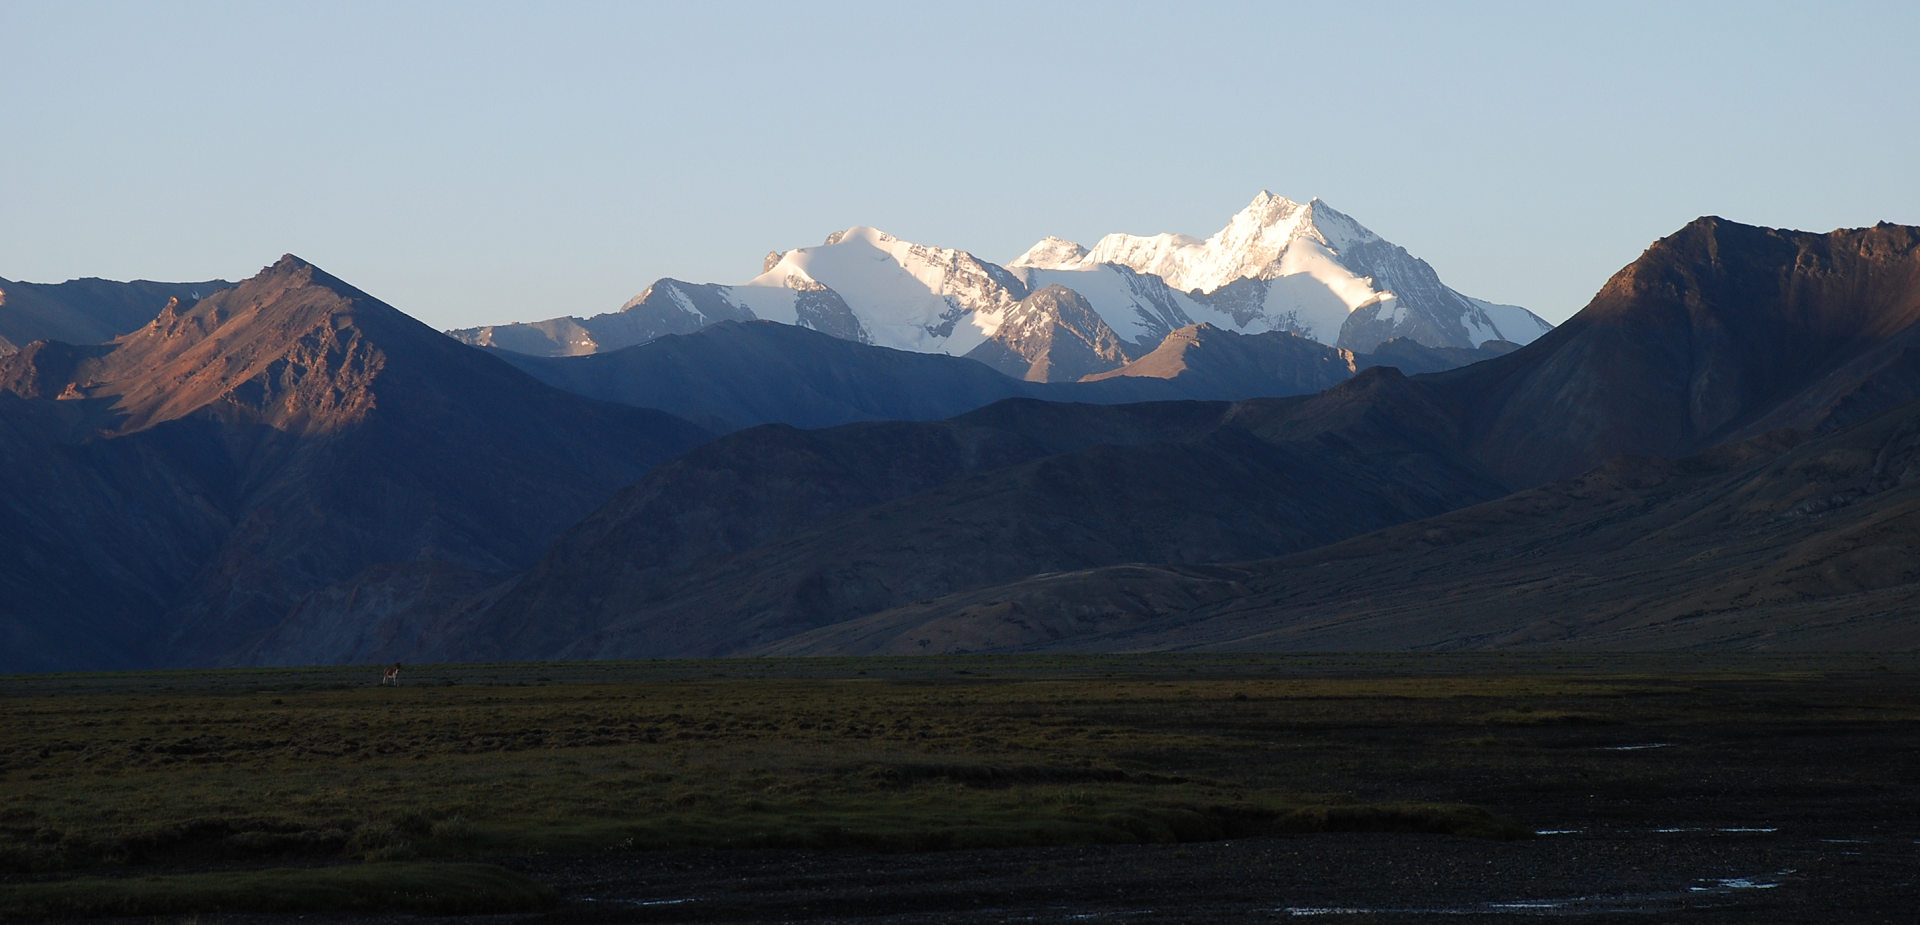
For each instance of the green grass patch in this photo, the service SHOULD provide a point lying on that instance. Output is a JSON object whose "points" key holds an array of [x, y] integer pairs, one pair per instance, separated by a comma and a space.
{"points": [[418, 888]]}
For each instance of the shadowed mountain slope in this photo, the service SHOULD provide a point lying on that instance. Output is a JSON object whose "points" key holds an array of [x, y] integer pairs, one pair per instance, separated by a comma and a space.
{"points": [[773, 531], [86, 311], [730, 496], [177, 491], [1768, 543], [732, 375], [1213, 363]]}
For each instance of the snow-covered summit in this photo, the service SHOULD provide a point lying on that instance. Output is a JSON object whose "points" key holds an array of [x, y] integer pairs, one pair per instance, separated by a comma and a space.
{"points": [[1306, 268], [1251, 243], [1254, 244], [903, 295], [1051, 254]]}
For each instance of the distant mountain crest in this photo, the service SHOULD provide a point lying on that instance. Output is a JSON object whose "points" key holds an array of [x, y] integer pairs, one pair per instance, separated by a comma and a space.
{"points": [[86, 311]]}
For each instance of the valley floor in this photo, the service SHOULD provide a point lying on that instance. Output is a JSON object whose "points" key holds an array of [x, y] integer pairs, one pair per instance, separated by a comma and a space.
{"points": [[1663, 787]]}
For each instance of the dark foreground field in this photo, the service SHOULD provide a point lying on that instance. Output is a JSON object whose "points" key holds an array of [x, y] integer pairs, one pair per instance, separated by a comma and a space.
{"points": [[1139, 789]]}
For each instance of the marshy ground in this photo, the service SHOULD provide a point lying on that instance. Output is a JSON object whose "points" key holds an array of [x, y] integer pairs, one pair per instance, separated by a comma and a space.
{"points": [[990, 789]]}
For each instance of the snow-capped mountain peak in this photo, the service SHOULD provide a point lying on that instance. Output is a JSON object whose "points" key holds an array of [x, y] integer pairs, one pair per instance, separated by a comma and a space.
{"points": [[1052, 254], [904, 295], [1252, 245], [1306, 268]]}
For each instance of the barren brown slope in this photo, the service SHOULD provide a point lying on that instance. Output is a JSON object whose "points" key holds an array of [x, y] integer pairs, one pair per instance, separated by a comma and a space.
{"points": [[1718, 331], [299, 431], [1769, 543]]}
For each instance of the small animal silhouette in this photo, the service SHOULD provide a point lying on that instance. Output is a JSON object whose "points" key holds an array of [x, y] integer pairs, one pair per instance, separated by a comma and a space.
{"points": [[391, 675]]}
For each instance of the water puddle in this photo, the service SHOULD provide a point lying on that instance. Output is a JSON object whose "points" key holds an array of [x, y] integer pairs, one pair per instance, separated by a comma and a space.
{"points": [[1739, 883], [640, 902], [1560, 832], [1579, 905], [1060, 914]]}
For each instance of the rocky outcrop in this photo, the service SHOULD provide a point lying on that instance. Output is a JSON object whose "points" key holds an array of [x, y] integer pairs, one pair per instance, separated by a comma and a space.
{"points": [[1053, 335]]}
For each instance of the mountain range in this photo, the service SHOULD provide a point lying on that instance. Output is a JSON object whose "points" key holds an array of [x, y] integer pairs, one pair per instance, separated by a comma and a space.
{"points": [[197, 486], [1061, 312], [1718, 450], [1718, 334]]}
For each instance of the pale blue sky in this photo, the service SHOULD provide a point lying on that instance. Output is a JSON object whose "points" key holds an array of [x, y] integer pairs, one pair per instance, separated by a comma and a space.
{"points": [[475, 163]]}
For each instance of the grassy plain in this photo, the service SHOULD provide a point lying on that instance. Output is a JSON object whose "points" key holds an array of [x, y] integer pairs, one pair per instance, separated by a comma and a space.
{"points": [[260, 767], [412, 887]]}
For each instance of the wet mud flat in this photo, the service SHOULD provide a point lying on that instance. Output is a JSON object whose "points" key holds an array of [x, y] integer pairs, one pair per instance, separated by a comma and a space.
{"points": [[1649, 787], [1606, 876], [1615, 875]]}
